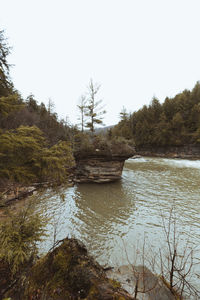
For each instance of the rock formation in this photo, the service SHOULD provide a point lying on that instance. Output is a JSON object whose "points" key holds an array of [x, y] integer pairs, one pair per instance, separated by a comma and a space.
{"points": [[102, 166], [67, 273], [149, 286]]}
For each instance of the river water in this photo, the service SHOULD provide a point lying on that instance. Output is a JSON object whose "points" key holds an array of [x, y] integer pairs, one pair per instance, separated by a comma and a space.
{"points": [[116, 220]]}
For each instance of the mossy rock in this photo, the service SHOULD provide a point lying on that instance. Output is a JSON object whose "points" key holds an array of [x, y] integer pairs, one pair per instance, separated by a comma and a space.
{"points": [[69, 272]]}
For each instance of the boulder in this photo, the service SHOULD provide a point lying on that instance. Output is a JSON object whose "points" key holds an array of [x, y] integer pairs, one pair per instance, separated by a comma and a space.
{"points": [[149, 286], [68, 272]]}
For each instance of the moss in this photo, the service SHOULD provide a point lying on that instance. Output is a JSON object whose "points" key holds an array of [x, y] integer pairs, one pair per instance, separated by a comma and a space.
{"points": [[92, 292], [69, 273], [114, 283]]}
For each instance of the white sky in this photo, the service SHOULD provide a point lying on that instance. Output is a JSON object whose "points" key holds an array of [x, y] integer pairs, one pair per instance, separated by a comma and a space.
{"points": [[135, 49]]}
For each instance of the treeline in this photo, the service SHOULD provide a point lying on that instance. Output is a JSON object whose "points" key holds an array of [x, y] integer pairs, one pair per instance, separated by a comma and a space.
{"points": [[15, 112], [34, 143], [176, 122]]}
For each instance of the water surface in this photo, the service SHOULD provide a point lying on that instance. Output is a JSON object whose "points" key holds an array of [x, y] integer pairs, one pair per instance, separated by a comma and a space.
{"points": [[115, 220]]}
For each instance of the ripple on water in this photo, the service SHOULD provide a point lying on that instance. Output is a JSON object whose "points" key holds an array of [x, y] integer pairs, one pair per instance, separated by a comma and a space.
{"points": [[114, 219]]}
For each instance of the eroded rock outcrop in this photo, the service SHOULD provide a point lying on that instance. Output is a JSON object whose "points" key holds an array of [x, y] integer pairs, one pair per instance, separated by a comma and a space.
{"points": [[68, 272], [102, 165]]}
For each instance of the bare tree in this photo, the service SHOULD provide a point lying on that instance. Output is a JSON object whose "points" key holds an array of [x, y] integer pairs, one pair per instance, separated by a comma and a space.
{"points": [[177, 262]]}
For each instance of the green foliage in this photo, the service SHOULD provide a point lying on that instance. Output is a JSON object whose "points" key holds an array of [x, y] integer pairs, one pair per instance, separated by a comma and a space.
{"points": [[94, 145], [82, 143], [10, 104], [19, 234], [34, 144], [68, 272], [18, 151], [123, 114], [5, 84], [94, 111], [25, 156], [122, 129], [55, 162], [175, 122]]}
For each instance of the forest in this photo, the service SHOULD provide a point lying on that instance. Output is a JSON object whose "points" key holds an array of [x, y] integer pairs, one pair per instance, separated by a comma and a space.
{"points": [[37, 146], [34, 144], [175, 122]]}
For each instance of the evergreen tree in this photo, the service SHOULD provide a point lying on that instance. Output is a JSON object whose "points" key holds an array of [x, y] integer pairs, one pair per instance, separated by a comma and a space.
{"points": [[175, 122], [19, 235], [25, 157], [94, 111], [6, 86], [82, 106], [123, 114]]}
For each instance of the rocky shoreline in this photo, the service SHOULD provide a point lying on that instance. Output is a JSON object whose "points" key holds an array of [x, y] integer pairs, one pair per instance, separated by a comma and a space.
{"points": [[102, 167], [66, 272], [8, 196], [69, 272], [183, 152]]}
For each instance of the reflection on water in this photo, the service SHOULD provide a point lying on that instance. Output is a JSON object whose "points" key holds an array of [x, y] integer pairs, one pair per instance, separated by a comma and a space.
{"points": [[99, 215], [113, 219]]}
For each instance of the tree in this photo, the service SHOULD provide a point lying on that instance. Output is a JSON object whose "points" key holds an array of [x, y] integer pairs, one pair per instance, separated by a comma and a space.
{"points": [[177, 262], [10, 104], [50, 106], [25, 157], [5, 83], [54, 163], [123, 114], [20, 233], [32, 103], [94, 111], [82, 110]]}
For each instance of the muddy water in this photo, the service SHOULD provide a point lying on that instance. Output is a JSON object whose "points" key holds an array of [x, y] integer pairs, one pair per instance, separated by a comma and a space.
{"points": [[116, 220]]}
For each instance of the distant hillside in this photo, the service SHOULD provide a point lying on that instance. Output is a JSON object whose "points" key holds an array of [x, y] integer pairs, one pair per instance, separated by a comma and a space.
{"points": [[34, 143], [176, 122], [103, 129]]}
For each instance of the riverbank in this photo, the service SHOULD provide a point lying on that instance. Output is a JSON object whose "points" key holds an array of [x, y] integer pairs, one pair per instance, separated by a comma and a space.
{"points": [[9, 196], [102, 215], [69, 272], [14, 192], [66, 272], [184, 152], [97, 166]]}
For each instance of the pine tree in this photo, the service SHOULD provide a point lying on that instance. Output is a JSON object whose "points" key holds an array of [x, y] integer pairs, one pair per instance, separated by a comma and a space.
{"points": [[19, 235], [25, 157], [94, 112], [82, 106], [123, 114], [6, 86]]}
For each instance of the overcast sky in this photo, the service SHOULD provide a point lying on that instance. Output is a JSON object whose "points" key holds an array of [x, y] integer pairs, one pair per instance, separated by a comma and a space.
{"points": [[135, 49]]}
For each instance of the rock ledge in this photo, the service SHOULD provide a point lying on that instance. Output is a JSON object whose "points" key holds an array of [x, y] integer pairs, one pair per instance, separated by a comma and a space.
{"points": [[101, 166]]}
